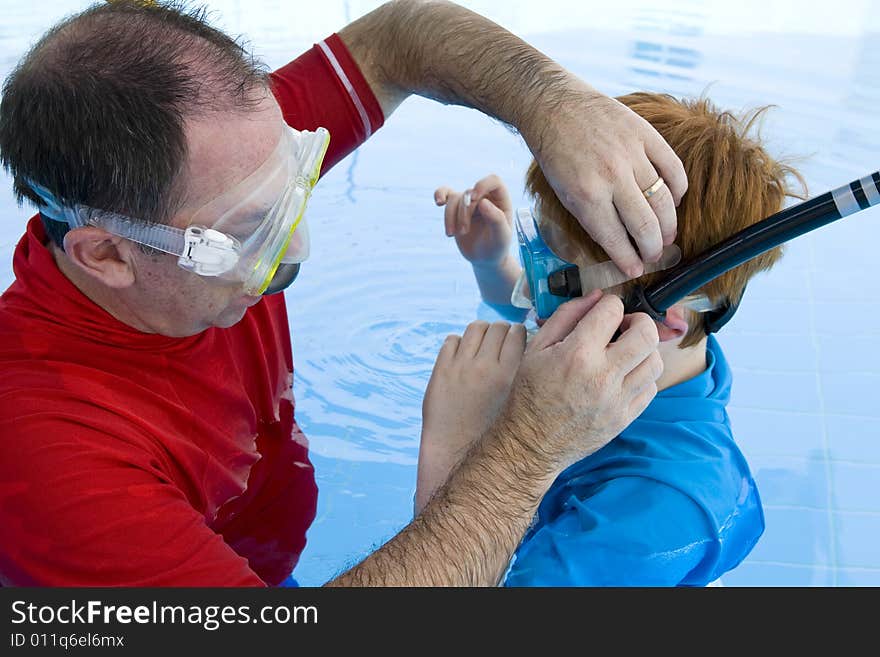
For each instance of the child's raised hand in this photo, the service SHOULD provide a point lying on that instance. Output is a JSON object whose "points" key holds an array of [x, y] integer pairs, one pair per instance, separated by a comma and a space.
{"points": [[481, 219]]}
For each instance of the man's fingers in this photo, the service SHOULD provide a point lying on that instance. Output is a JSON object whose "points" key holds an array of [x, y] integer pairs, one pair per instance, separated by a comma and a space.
{"points": [[667, 163], [664, 207], [660, 201], [600, 324], [640, 403], [644, 375], [639, 218], [635, 343], [493, 341], [564, 320], [514, 345], [473, 338], [609, 232]]}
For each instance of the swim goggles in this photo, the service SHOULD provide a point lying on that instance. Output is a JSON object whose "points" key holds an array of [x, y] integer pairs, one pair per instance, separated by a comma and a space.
{"points": [[551, 277], [254, 233]]}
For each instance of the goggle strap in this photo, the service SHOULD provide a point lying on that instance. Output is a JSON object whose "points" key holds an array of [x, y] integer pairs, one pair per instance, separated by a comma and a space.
{"points": [[604, 275], [158, 236]]}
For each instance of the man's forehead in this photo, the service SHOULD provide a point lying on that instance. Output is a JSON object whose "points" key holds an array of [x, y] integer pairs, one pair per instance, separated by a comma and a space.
{"points": [[226, 149]]}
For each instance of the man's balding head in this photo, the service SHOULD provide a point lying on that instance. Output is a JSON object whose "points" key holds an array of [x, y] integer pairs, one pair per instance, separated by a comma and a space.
{"points": [[97, 110]]}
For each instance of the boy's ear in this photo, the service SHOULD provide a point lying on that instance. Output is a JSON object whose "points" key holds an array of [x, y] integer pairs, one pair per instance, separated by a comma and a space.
{"points": [[675, 326]]}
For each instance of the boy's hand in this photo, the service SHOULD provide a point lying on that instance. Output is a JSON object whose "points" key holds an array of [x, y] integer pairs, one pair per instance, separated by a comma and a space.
{"points": [[481, 219], [469, 384]]}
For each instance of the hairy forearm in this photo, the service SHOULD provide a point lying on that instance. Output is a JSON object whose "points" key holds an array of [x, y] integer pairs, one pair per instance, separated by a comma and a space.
{"points": [[468, 531], [443, 51]]}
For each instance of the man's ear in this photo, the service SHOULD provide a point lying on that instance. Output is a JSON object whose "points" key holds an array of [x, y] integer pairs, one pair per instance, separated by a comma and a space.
{"points": [[101, 255], [675, 326]]}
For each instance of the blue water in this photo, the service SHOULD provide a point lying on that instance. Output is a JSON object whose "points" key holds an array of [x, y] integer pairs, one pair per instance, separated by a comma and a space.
{"points": [[384, 285]]}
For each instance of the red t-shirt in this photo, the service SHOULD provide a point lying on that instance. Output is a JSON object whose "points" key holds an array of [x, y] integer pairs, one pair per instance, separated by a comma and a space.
{"points": [[135, 459]]}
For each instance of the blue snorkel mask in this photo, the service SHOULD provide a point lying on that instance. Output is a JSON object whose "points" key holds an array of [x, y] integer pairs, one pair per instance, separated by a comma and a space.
{"points": [[548, 279], [539, 265]]}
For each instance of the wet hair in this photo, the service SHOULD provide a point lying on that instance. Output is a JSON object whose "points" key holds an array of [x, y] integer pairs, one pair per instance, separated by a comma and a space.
{"points": [[732, 183], [96, 110]]}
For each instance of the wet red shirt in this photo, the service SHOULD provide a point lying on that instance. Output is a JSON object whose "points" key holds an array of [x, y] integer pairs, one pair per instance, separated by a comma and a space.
{"points": [[136, 459]]}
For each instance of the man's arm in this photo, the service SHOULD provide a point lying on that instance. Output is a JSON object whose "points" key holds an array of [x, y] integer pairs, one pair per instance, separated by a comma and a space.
{"points": [[467, 533], [597, 154], [572, 394]]}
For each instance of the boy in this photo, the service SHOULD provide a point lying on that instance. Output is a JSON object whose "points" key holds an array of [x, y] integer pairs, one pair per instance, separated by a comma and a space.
{"points": [[671, 500]]}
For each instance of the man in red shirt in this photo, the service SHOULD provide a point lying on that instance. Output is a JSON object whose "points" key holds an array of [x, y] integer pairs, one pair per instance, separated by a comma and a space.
{"points": [[147, 431]]}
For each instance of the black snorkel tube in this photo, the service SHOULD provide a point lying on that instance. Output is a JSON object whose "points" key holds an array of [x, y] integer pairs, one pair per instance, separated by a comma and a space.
{"points": [[785, 225]]}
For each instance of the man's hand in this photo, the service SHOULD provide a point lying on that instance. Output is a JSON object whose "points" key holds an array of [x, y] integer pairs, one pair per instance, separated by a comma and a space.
{"points": [[599, 156], [575, 390]]}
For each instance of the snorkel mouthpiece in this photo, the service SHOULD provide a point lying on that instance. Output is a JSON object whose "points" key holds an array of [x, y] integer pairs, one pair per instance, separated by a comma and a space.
{"points": [[637, 302]]}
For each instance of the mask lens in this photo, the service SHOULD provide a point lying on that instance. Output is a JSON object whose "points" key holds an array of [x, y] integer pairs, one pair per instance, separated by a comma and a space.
{"points": [[284, 276]]}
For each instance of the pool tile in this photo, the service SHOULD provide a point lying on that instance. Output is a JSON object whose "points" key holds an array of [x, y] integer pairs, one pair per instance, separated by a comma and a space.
{"points": [[852, 393], [791, 482], [856, 353], [856, 487], [845, 319], [776, 433], [856, 539], [858, 577], [794, 536], [769, 351], [752, 574], [853, 438], [783, 391]]}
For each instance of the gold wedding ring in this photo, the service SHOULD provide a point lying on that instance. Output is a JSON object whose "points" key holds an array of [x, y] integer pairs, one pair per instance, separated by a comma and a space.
{"points": [[653, 189]]}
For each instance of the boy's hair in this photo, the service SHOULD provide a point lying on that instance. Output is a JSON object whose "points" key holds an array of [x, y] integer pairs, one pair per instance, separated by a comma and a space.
{"points": [[96, 111], [732, 184]]}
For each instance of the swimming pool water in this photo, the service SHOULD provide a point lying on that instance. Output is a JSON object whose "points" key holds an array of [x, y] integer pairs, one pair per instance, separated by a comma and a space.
{"points": [[384, 285]]}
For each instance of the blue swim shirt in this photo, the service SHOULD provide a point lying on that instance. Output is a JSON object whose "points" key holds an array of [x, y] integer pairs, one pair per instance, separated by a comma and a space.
{"points": [[668, 502]]}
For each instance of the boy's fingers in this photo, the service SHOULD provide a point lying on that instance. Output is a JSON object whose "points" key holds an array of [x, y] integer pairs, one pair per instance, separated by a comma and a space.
{"points": [[487, 185], [564, 320], [514, 345], [464, 216], [472, 338], [450, 218], [493, 341], [441, 194], [492, 211], [447, 350]]}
